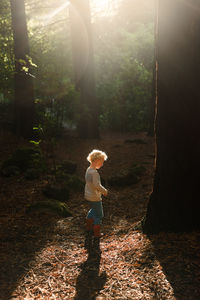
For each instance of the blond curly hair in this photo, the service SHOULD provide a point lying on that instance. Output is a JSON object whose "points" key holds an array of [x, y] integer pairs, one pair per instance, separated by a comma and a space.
{"points": [[96, 154]]}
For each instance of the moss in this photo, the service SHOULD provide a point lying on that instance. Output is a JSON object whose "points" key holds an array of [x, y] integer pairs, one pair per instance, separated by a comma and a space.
{"points": [[52, 206]]}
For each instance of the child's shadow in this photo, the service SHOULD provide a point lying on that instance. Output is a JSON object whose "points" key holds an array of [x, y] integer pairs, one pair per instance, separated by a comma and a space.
{"points": [[89, 282]]}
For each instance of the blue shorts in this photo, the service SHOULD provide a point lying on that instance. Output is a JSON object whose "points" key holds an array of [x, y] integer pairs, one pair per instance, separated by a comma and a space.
{"points": [[95, 212]]}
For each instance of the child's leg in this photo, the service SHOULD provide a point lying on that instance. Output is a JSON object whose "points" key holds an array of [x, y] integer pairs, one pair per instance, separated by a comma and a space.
{"points": [[98, 215], [97, 211], [89, 218], [94, 217]]}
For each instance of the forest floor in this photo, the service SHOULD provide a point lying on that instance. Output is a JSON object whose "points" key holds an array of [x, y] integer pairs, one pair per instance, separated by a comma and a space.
{"points": [[46, 257]]}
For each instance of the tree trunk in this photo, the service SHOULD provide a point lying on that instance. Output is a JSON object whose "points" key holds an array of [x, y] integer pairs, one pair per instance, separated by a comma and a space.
{"points": [[24, 96], [83, 61], [151, 129], [174, 203]]}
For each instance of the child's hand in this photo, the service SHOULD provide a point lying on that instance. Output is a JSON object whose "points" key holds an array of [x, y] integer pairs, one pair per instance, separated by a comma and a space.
{"points": [[105, 193]]}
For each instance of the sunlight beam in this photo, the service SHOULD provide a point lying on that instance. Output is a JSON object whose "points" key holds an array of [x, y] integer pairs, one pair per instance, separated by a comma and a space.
{"points": [[59, 9], [55, 12]]}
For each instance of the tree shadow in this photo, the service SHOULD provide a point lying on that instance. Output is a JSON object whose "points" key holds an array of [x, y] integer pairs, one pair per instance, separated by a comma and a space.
{"points": [[89, 282], [21, 239], [178, 254]]}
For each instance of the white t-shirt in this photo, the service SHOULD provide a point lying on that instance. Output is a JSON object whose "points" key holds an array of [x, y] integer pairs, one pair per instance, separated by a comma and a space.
{"points": [[93, 187]]}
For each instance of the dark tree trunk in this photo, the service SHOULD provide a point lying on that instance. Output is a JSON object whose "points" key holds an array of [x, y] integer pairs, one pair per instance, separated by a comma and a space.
{"points": [[83, 61], [151, 129], [174, 203], [24, 96]]}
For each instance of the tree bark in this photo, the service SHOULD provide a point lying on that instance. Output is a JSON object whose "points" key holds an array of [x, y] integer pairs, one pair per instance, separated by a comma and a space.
{"points": [[174, 203], [24, 96], [83, 62], [151, 129]]}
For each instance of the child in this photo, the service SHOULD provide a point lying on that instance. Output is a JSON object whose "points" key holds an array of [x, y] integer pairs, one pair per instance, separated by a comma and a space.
{"points": [[94, 190]]}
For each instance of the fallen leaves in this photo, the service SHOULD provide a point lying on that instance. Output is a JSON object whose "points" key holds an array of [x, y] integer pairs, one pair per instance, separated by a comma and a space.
{"points": [[43, 257]]}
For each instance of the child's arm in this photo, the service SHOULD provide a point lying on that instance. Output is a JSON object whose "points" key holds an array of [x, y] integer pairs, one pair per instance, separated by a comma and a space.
{"points": [[97, 184]]}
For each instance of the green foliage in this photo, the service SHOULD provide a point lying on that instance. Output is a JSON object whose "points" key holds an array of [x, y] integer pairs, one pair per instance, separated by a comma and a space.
{"points": [[36, 143], [51, 206], [56, 98], [6, 51], [123, 47], [27, 160], [124, 76], [54, 114]]}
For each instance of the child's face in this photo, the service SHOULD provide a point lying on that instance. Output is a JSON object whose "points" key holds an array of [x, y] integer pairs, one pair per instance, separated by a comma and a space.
{"points": [[99, 163]]}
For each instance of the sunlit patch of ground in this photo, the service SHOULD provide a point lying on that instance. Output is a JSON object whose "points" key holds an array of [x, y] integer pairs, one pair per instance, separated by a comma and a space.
{"points": [[128, 267]]}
